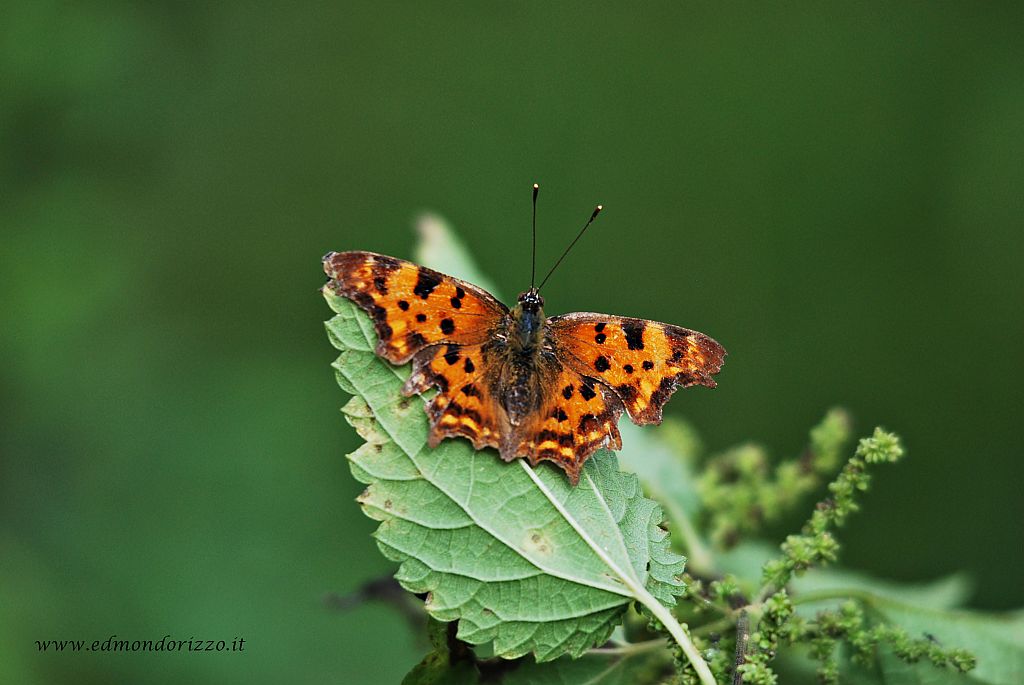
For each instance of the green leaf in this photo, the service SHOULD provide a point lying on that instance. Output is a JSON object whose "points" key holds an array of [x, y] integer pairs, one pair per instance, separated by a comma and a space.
{"points": [[944, 593], [996, 641], [838, 584], [518, 556]]}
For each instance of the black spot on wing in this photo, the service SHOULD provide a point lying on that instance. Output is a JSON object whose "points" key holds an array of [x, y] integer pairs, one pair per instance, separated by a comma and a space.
{"points": [[567, 392], [451, 354], [426, 281], [559, 414], [601, 364], [627, 392], [634, 331], [628, 368], [664, 391], [381, 284], [421, 317], [442, 384], [587, 389], [457, 300], [470, 390], [600, 338], [648, 365], [599, 327], [473, 415], [447, 326], [546, 435], [403, 305], [469, 366]]}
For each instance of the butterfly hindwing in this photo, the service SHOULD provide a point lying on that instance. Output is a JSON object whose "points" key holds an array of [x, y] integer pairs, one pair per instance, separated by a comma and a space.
{"points": [[643, 362], [412, 306], [464, 405], [577, 417]]}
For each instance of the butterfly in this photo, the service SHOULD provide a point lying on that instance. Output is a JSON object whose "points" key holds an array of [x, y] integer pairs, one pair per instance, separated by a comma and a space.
{"points": [[543, 388]]}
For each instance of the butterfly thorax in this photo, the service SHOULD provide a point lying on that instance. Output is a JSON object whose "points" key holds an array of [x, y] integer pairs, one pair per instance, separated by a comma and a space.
{"points": [[528, 323]]}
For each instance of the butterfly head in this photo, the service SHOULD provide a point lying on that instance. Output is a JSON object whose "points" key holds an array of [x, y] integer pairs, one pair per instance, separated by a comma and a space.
{"points": [[529, 318], [531, 301]]}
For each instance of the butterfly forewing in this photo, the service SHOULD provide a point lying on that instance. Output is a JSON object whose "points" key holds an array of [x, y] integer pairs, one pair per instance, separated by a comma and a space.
{"points": [[412, 306], [643, 362]]}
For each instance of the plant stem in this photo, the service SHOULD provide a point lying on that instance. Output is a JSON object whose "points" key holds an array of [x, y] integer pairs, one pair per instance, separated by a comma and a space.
{"points": [[679, 634]]}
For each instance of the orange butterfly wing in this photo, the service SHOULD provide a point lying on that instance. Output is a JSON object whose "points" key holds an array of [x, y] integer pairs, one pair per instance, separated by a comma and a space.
{"points": [[643, 362], [464, 405], [412, 306], [439, 322]]}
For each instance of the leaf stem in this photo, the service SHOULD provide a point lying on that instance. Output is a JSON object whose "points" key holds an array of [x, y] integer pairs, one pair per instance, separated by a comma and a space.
{"points": [[679, 634]]}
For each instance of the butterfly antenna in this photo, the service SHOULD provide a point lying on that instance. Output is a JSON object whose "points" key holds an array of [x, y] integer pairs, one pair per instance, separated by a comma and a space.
{"points": [[533, 261], [597, 210]]}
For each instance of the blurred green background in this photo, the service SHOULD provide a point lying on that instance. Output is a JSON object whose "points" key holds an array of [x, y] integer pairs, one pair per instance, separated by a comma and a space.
{"points": [[834, 193]]}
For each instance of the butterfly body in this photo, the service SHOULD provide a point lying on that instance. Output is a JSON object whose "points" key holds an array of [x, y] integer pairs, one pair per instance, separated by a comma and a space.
{"points": [[543, 388], [521, 358]]}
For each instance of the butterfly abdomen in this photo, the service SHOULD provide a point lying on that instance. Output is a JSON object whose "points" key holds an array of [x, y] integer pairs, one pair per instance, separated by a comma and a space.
{"points": [[515, 384]]}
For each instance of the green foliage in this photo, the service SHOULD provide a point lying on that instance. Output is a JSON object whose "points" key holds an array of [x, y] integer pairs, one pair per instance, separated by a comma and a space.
{"points": [[741, 492], [815, 545], [528, 565]]}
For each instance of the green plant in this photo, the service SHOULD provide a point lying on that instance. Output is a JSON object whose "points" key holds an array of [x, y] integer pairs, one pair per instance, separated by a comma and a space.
{"points": [[529, 580]]}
